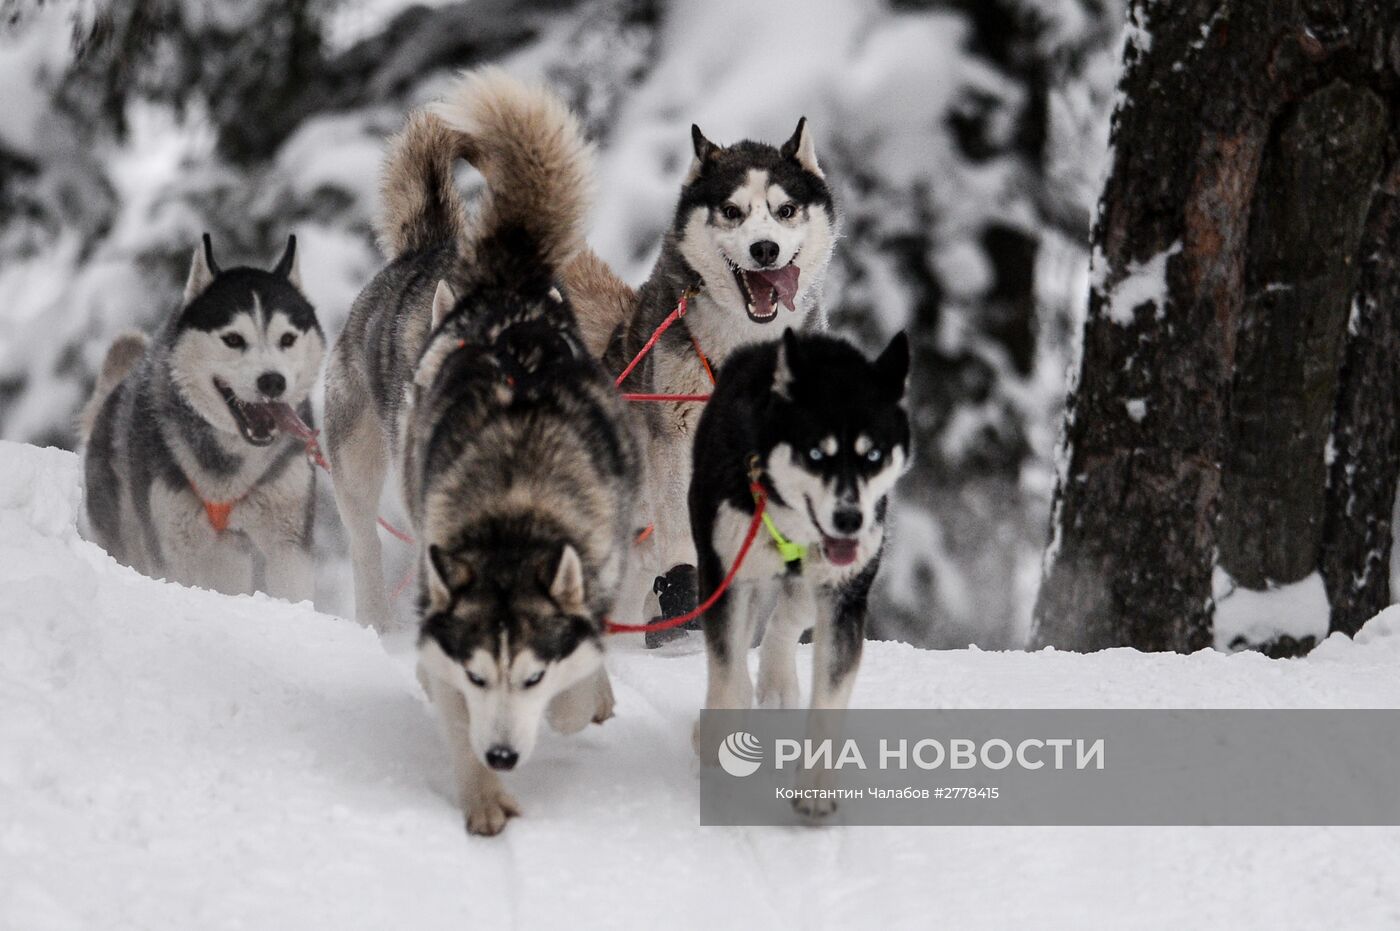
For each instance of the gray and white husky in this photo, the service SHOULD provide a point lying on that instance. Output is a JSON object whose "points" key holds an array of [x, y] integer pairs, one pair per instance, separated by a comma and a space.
{"points": [[753, 233], [827, 432], [463, 366], [189, 471]]}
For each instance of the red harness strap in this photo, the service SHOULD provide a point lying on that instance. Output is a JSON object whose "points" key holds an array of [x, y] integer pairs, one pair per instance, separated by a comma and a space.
{"points": [[760, 502], [681, 307]]}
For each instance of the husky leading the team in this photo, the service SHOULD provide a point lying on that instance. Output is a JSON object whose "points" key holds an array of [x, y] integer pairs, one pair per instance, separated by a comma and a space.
{"points": [[477, 366], [463, 364]]}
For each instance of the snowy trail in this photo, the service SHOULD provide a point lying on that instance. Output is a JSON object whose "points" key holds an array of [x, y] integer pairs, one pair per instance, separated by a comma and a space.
{"points": [[171, 758]]}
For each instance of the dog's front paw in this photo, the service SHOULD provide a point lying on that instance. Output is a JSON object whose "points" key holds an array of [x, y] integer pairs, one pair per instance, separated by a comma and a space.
{"points": [[603, 709], [488, 815]]}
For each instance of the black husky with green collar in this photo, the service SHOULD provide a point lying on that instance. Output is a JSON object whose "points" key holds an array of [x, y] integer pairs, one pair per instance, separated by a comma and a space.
{"points": [[828, 431]]}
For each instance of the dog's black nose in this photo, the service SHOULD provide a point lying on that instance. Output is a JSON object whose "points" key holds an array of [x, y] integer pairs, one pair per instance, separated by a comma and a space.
{"points": [[272, 384], [499, 757], [764, 252], [847, 520]]}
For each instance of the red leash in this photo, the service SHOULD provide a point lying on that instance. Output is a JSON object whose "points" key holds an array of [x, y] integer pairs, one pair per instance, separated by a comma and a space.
{"points": [[760, 501], [681, 307], [298, 428]]}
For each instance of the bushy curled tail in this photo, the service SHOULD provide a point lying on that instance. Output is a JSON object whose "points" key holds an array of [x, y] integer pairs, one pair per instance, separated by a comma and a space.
{"points": [[126, 350], [419, 203], [538, 168]]}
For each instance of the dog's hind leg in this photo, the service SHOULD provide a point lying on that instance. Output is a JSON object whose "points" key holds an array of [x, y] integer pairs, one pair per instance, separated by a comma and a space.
{"points": [[777, 657], [359, 459]]}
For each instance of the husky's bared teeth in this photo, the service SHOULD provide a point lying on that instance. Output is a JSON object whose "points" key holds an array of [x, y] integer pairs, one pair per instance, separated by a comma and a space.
{"points": [[256, 422]]}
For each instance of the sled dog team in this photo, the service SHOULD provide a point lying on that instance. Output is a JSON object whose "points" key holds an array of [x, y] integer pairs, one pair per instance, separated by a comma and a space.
{"points": [[478, 366]]}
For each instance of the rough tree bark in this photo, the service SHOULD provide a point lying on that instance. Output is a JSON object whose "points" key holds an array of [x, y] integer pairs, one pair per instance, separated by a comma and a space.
{"points": [[1357, 533], [1184, 253], [1310, 205]]}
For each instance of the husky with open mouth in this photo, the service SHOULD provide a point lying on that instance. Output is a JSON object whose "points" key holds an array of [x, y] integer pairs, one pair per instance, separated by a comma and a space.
{"points": [[751, 239], [826, 433], [193, 470]]}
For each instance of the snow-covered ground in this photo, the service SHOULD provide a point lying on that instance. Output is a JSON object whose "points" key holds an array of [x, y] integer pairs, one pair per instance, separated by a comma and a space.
{"points": [[172, 758]]}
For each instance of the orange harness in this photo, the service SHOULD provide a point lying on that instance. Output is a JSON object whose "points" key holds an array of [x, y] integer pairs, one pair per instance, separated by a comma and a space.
{"points": [[218, 512]]}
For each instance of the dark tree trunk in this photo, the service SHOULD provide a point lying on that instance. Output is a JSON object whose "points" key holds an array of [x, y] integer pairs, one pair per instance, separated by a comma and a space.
{"points": [[1309, 208], [1181, 294], [1357, 533]]}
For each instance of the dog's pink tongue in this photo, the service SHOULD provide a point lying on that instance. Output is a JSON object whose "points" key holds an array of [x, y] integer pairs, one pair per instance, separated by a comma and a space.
{"points": [[840, 552], [287, 420], [783, 280]]}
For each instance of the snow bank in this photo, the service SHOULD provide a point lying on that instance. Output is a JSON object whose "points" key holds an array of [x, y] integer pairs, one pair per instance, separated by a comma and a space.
{"points": [[172, 758], [1244, 616]]}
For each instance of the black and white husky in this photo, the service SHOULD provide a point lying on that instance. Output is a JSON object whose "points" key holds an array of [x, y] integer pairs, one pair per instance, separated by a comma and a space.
{"points": [[827, 431], [753, 234], [189, 472], [462, 365]]}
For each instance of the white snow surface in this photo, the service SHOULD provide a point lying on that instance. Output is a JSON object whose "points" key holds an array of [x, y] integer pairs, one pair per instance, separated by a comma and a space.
{"points": [[173, 758]]}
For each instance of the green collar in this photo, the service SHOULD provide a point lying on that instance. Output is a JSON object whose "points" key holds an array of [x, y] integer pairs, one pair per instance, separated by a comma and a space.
{"points": [[790, 551]]}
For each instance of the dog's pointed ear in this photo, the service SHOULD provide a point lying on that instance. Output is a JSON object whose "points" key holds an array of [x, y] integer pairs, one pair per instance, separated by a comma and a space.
{"points": [[892, 367], [203, 269], [705, 151], [802, 150], [289, 266], [789, 358], [447, 573], [444, 300], [567, 587]]}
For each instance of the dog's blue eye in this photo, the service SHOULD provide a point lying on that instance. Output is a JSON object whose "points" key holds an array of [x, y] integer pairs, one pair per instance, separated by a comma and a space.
{"points": [[476, 680], [873, 455], [815, 454], [234, 341], [533, 680]]}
